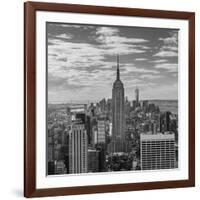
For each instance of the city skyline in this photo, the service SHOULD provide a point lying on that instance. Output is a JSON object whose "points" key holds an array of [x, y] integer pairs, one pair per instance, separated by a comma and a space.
{"points": [[115, 69], [82, 62]]}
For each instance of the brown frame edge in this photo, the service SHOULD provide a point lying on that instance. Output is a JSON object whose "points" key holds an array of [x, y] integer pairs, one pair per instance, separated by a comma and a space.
{"points": [[30, 9]]}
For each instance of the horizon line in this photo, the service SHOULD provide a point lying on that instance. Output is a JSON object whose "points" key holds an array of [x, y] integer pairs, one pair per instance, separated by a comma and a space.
{"points": [[86, 102]]}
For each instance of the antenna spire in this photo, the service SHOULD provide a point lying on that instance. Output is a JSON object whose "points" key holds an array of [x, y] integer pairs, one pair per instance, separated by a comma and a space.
{"points": [[118, 74]]}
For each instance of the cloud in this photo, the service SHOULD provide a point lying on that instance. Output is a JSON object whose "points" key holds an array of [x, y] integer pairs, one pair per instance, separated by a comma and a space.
{"points": [[166, 54], [83, 66], [128, 68], [111, 40], [170, 67], [70, 25], [150, 76], [171, 40], [65, 53], [141, 59], [107, 31], [81, 55], [64, 36], [159, 61], [169, 46], [111, 36], [69, 54]]}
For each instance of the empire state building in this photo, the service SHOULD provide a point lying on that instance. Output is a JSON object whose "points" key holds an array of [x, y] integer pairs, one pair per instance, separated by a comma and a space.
{"points": [[118, 114]]}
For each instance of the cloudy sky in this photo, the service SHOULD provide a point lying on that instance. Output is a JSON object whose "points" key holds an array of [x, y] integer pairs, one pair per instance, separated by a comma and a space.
{"points": [[82, 62]]}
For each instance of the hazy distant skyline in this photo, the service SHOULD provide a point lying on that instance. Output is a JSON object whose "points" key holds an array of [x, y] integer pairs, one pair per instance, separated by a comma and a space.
{"points": [[82, 62]]}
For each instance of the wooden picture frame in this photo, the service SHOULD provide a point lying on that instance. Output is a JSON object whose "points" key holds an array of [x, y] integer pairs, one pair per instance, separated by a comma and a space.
{"points": [[30, 9]]}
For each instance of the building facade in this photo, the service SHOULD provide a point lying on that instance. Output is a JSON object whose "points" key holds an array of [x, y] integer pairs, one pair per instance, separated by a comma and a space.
{"points": [[101, 134], [137, 96], [93, 160], [165, 122], [78, 149], [118, 114], [157, 151]]}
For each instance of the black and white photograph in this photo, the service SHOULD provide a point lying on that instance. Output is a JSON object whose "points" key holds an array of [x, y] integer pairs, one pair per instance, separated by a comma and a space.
{"points": [[112, 98]]}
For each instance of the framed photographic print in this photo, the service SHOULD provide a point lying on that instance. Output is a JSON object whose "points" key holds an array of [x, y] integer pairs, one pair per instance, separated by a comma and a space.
{"points": [[109, 99]]}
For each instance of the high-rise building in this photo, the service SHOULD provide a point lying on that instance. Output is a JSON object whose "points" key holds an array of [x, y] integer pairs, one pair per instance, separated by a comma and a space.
{"points": [[127, 108], [86, 121], [151, 108], [134, 104], [157, 151], [101, 147], [65, 151], [118, 113], [153, 127], [50, 144], [137, 96], [102, 105], [93, 160], [165, 122], [110, 129], [78, 149], [95, 133], [101, 134], [109, 105], [145, 105]]}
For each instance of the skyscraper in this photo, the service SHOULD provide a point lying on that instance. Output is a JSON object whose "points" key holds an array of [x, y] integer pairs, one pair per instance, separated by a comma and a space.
{"points": [[165, 122], [78, 149], [137, 96], [118, 114], [101, 127], [86, 121]]}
